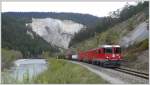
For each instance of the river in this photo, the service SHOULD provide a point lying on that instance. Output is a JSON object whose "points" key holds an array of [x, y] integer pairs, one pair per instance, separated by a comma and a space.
{"points": [[27, 68]]}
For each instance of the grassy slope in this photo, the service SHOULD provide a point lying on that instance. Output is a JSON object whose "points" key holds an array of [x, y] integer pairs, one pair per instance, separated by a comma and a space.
{"points": [[60, 72]]}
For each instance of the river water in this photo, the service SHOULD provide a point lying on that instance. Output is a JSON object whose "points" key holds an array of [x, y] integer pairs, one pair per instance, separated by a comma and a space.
{"points": [[27, 68]]}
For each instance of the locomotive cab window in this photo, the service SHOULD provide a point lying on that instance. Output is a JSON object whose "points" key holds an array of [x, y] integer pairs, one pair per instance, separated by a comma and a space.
{"points": [[118, 50], [108, 50]]}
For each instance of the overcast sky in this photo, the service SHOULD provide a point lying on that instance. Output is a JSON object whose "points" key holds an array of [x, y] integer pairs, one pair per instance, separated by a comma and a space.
{"points": [[94, 8]]}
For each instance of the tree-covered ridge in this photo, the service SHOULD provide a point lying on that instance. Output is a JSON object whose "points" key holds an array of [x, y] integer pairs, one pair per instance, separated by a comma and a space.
{"points": [[14, 36], [85, 19], [115, 17]]}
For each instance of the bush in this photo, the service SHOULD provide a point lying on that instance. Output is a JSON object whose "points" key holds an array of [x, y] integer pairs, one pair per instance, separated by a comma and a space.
{"points": [[61, 56], [129, 57], [8, 56], [141, 46], [144, 45], [45, 54], [130, 25]]}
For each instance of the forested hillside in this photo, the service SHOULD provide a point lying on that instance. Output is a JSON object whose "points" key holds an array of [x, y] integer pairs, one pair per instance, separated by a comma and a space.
{"points": [[84, 19], [93, 24], [115, 17], [16, 36]]}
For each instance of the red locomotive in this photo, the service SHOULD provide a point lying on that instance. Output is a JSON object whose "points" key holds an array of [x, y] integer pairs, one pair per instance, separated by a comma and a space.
{"points": [[106, 55]]}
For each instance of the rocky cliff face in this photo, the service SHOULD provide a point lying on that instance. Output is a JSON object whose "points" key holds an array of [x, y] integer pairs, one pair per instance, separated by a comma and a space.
{"points": [[139, 34], [56, 32]]}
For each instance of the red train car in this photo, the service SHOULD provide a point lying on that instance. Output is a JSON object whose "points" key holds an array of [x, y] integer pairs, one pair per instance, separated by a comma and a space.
{"points": [[106, 55]]}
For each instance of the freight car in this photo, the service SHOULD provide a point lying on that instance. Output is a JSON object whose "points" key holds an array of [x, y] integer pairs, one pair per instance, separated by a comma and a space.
{"points": [[74, 57], [68, 54]]}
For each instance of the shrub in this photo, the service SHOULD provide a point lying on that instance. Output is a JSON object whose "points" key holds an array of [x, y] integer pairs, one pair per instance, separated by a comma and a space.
{"points": [[129, 57], [45, 54], [141, 46], [8, 56]]}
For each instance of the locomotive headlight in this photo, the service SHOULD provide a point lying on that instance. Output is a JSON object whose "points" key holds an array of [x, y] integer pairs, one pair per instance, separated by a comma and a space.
{"points": [[117, 55], [107, 57], [113, 55]]}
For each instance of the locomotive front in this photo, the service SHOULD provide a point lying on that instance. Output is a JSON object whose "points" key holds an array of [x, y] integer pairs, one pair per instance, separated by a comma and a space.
{"points": [[112, 55]]}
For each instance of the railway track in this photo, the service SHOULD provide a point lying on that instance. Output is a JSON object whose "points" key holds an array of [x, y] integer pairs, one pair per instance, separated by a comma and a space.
{"points": [[133, 72]]}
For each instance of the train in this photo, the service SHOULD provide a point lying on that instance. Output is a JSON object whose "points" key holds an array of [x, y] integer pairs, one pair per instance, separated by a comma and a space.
{"points": [[105, 55]]}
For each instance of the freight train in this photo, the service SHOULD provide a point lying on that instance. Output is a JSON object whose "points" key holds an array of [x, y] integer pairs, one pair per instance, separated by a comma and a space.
{"points": [[105, 55]]}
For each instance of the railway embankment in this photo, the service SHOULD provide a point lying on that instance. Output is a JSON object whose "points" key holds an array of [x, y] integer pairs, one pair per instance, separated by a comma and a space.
{"points": [[114, 76]]}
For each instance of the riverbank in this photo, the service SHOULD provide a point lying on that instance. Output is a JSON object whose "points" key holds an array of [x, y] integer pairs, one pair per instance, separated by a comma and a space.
{"points": [[61, 71], [23, 71]]}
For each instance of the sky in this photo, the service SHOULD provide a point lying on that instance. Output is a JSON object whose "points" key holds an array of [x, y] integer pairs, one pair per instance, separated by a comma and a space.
{"points": [[94, 8]]}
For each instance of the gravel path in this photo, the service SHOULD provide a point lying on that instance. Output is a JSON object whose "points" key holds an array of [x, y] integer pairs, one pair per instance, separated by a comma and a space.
{"points": [[113, 76]]}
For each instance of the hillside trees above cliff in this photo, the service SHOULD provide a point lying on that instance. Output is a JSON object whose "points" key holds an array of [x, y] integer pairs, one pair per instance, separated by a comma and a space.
{"points": [[115, 17]]}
